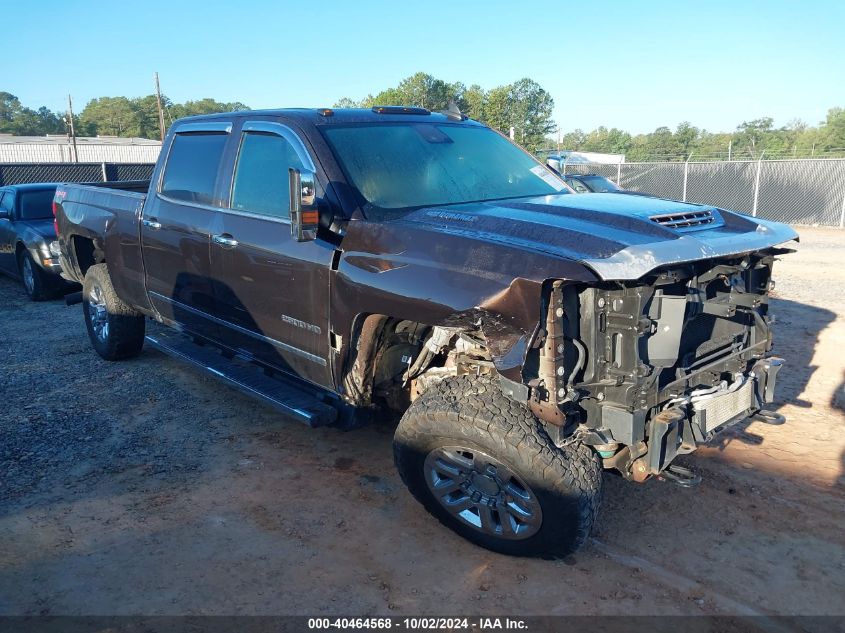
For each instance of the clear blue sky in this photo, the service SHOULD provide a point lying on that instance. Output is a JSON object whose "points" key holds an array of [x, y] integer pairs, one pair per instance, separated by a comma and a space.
{"points": [[630, 64]]}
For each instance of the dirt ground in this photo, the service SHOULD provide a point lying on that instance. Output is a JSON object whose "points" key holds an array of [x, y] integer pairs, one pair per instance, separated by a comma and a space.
{"points": [[143, 487]]}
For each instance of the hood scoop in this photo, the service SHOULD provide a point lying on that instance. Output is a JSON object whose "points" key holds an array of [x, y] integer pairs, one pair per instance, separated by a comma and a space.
{"points": [[688, 220]]}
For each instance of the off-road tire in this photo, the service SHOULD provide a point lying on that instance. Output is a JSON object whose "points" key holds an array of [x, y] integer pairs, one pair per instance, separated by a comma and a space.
{"points": [[124, 336], [474, 413], [40, 288]]}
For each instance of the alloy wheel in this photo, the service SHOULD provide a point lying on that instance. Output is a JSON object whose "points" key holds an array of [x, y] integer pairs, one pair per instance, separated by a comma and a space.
{"points": [[98, 314], [482, 493], [28, 275]]}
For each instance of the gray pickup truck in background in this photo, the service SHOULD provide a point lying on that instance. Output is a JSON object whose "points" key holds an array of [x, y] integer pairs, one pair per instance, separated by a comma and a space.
{"points": [[336, 262]]}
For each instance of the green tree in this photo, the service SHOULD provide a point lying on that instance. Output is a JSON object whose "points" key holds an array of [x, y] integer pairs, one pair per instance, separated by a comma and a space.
{"points": [[831, 134], [573, 140], [205, 106], [421, 90], [712, 146], [23, 121], [111, 116], [523, 105], [531, 113], [147, 113], [686, 138], [474, 101], [346, 102], [610, 141], [50, 122], [751, 135], [497, 109], [10, 108]]}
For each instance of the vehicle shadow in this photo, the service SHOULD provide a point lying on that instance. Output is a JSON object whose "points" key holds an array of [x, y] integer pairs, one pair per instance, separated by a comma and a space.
{"points": [[837, 402], [215, 311], [202, 454], [797, 334]]}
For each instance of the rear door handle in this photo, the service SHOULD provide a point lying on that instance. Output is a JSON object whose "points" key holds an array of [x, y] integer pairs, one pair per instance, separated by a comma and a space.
{"points": [[225, 240], [153, 224]]}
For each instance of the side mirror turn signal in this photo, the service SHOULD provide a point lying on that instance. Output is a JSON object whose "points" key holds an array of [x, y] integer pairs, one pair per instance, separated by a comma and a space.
{"points": [[304, 215]]}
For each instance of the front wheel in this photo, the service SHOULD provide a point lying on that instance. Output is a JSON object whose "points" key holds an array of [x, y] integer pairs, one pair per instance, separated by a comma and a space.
{"points": [[115, 329], [34, 279], [485, 467]]}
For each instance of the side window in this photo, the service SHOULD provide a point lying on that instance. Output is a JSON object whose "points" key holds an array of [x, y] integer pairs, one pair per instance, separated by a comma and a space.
{"points": [[260, 184], [192, 165]]}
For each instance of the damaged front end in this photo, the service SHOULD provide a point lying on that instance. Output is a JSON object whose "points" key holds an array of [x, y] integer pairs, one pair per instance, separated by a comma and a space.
{"points": [[644, 371]]}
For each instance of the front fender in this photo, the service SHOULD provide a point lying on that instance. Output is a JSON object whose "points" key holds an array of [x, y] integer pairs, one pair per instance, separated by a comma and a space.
{"points": [[36, 244], [450, 280]]}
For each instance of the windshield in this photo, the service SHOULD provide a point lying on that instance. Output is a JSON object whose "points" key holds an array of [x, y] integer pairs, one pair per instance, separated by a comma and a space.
{"points": [[410, 165], [36, 205], [577, 185], [599, 184]]}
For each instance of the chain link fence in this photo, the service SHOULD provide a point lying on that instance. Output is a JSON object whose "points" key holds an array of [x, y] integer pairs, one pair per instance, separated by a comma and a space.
{"points": [[804, 191], [21, 173]]}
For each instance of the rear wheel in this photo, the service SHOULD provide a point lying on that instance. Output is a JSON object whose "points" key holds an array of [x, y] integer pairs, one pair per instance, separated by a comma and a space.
{"points": [[115, 329], [485, 467]]}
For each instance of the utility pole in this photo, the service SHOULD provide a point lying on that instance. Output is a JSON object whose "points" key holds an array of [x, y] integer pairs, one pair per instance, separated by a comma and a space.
{"points": [[160, 111], [757, 184], [686, 176], [72, 130], [730, 143]]}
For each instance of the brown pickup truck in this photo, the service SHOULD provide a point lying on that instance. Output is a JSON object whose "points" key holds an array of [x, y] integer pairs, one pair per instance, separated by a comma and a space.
{"points": [[336, 262]]}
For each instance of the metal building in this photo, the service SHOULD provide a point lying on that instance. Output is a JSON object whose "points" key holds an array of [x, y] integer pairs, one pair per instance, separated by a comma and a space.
{"points": [[58, 148]]}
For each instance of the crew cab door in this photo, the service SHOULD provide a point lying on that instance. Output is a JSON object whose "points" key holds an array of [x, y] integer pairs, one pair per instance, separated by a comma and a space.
{"points": [[176, 227], [272, 292]]}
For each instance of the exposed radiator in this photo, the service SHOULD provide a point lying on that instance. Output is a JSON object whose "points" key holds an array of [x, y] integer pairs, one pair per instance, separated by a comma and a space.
{"points": [[710, 413]]}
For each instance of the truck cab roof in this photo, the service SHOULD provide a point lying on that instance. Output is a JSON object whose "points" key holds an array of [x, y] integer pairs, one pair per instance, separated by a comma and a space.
{"points": [[329, 116]]}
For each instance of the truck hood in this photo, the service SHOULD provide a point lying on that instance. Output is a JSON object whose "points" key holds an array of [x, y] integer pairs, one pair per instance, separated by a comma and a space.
{"points": [[619, 237]]}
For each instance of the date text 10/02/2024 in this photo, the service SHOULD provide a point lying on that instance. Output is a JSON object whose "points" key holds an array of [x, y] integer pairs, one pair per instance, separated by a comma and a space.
{"points": [[418, 624]]}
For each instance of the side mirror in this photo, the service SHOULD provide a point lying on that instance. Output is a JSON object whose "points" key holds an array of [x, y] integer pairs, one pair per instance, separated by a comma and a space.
{"points": [[304, 216], [4, 215]]}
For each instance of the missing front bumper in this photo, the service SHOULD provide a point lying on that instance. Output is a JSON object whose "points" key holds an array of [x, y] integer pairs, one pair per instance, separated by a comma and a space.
{"points": [[681, 428]]}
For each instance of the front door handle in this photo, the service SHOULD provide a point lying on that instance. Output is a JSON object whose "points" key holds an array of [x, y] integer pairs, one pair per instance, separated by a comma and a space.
{"points": [[225, 240], [153, 224]]}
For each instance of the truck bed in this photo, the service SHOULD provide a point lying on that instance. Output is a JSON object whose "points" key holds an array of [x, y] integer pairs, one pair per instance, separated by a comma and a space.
{"points": [[79, 201], [107, 216], [138, 186]]}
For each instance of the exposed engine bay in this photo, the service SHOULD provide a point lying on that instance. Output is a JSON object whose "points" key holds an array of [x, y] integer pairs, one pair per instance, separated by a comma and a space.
{"points": [[641, 371], [646, 371]]}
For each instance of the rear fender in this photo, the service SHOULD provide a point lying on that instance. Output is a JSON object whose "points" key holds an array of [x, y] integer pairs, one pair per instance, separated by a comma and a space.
{"points": [[83, 215]]}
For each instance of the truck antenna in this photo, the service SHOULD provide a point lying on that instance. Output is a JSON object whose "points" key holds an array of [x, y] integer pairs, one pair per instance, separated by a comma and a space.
{"points": [[453, 111]]}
